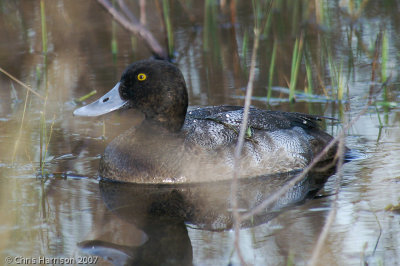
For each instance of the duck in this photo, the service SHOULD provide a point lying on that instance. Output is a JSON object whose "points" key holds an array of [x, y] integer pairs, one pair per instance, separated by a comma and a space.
{"points": [[177, 144]]}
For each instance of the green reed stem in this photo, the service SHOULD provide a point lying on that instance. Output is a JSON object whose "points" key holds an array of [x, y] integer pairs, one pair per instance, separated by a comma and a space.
{"points": [[340, 86], [296, 60], [268, 22], [385, 52], [45, 138], [384, 56], [336, 76], [379, 117], [48, 139], [170, 35], [84, 97], [332, 69], [42, 124], [42, 132], [309, 74], [103, 130], [245, 46], [210, 27], [290, 259], [114, 42], [257, 11], [44, 29], [271, 71], [293, 70]]}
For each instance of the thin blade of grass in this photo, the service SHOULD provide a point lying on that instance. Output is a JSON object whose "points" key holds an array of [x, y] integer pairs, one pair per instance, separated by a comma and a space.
{"points": [[170, 35], [47, 139], [42, 130], [307, 61], [271, 71], [384, 57], [84, 97], [296, 60], [44, 28], [385, 48], [21, 83], [20, 128], [340, 86]]}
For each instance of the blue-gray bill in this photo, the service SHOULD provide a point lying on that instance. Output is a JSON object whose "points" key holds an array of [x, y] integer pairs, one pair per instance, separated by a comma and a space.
{"points": [[107, 103]]}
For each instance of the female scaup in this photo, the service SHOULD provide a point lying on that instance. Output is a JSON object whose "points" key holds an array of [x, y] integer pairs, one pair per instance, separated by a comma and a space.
{"points": [[173, 145]]}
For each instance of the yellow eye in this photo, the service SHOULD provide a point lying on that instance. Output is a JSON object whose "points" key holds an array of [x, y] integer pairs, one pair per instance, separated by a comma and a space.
{"points": [[141, 76]]}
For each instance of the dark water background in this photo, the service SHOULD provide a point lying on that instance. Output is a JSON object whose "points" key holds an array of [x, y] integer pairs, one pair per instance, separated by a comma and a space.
{"points": [[344, 46]]}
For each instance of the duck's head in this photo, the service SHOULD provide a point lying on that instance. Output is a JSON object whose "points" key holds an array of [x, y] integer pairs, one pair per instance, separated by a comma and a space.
{"points": [[154, 87]]}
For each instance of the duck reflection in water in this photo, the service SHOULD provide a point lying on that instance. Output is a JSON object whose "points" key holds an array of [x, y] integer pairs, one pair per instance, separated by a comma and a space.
{"points": [[163, 213]]}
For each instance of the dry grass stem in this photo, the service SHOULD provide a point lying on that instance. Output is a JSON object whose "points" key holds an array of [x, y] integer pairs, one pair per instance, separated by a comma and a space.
{"points": [[332, 213], [239, 145], [21, 83], [380, 229], [137, 29], [127, 11], [20, 129]]}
